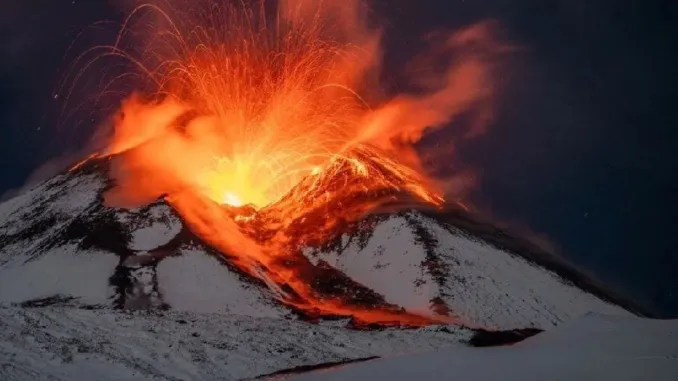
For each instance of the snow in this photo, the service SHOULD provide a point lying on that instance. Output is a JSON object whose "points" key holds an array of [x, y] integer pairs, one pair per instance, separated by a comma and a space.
{"points": [[63, 271], [151, 237], [592, 348], [157, 227], [484, 286], [40, 263], [499, 289], [63, 195], [389, 264], [82, 191], [66, 343], [224, 326], [30, 220], [10, 208], [196, 281], [481, 285]]}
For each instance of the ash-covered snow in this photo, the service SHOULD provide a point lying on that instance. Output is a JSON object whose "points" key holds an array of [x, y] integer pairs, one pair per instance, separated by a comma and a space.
{"points": [[60, 245], [412, 259], [58, 241], [389, 263], [31, 265], [69, 343], [64, 271], [197, 318], [592, 348], [30, 221], [499, 289], [63, 195], [62, 229], [153, 226], [197, 281]]}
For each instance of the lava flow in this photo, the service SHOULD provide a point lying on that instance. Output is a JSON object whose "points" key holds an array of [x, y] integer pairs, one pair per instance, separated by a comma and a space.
{"points": [[259, 124]]}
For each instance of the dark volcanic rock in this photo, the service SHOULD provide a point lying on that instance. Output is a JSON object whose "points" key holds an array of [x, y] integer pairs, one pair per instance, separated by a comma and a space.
{"points": [[485, 338]]}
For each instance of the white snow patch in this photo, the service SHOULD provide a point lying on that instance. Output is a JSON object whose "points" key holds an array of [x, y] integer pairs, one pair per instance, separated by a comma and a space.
{"points": [[56, 343], [498, 289], [157, 227], [151, 237], [390, 264], [82, 192], [594, 348], [63, 271], [485, 286], [76, 195], [28, 198], [196, 281]]}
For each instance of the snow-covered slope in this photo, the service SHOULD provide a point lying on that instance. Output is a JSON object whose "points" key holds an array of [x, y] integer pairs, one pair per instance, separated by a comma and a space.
{"points": [[420, 264], [60, 240], [32, 264], [591, 348], [197, 282], [53, 343], [93, 292]]}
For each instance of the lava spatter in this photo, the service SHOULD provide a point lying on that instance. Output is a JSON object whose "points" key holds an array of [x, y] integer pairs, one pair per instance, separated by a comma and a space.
{"points": [[263, 132]]}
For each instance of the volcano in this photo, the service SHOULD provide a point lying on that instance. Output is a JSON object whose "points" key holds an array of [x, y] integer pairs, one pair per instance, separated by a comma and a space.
{"points": [[258, 204], [60, 244], [82, 283]]}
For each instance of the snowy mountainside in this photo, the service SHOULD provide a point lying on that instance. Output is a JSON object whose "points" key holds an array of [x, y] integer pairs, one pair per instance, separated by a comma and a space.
{"points": [[30, 221], [57, 343], [59, 240], [420, 264], [591, 348], [93, 292]]}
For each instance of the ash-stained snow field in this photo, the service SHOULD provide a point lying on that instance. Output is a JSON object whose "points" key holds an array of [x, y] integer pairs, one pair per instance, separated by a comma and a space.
{"points": [[91, 292], [591, 348], [65, 343]]}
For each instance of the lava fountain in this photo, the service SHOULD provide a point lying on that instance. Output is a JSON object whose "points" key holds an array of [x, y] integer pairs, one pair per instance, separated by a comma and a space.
{"points": [[259, 124]]}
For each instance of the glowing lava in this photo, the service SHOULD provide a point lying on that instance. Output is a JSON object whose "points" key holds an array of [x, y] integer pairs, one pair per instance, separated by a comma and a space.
{"points": [[232, 199], [276, 110]]}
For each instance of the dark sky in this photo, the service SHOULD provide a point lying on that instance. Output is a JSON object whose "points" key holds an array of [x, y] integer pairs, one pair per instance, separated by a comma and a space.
{"points": [[581, 150]]}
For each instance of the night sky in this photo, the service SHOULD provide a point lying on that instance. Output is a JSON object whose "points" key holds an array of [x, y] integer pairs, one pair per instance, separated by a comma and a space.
{"points": [[582, 148]]}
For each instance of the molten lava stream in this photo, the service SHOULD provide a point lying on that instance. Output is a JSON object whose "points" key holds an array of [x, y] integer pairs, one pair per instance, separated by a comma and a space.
{"points": [[271, 262]]}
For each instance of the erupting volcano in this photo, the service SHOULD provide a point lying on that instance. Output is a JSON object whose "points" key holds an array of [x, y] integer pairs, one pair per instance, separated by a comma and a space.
{"points": [[268, 188], [262, 128]]}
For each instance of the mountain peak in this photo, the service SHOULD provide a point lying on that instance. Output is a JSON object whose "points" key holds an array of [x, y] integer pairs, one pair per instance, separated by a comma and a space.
{"points": [[60, 240]]}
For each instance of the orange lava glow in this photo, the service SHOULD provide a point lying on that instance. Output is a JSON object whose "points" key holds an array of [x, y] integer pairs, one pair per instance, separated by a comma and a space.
{"points": [[83, 161], [263, 131]]}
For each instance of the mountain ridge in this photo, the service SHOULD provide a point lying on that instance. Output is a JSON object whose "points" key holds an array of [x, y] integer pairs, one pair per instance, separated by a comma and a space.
{"points": [[156, 251]]}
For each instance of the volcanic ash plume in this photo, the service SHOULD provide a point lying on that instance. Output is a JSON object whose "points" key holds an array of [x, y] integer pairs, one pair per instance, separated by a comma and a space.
{"points": [[261, 127]]}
